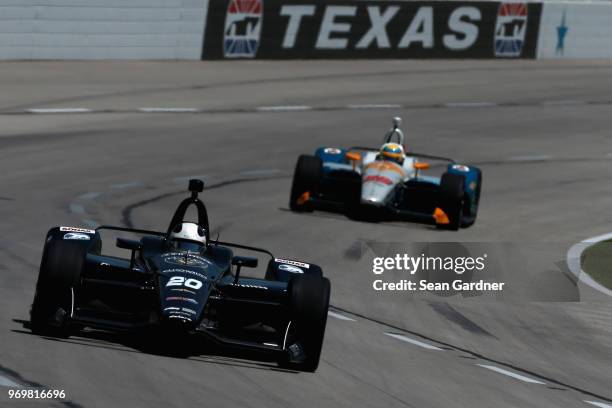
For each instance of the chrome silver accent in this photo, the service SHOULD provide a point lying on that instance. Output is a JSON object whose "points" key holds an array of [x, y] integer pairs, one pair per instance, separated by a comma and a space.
{"points": [[395, 131], [71, 302], [286, 334]]}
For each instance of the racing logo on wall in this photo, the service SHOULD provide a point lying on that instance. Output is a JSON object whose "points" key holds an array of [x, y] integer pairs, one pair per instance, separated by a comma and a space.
{"points": [[242, 28], [510, 29]]}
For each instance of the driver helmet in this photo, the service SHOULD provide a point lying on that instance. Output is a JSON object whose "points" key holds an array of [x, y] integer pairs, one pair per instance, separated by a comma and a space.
{"points": [[189, 236], [393, 152]]}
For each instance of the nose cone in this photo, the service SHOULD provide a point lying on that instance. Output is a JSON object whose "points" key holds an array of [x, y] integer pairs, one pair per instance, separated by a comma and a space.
{"points": [[374, 194], [183, 298], [379, 181]]}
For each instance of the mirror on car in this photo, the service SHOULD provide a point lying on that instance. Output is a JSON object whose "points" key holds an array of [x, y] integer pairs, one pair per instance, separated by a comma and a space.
{"points": [[353, 156], [130, 244], [246, 261]]}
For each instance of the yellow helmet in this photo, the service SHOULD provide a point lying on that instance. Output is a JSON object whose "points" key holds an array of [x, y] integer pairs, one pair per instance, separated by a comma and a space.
{"points": [[393, 152]]}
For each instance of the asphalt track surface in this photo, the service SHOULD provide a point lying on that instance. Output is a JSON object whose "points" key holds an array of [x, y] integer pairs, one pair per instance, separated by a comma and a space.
{"points": [[539, 130]]}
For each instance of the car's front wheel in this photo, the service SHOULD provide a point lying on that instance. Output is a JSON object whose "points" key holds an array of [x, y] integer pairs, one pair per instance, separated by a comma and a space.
{"points": [[309, 303], [59, 274]]}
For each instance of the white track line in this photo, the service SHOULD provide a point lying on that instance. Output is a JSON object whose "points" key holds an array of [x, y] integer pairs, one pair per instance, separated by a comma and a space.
{"points": [[59, 110], [5, 382], [469, 104], [598, 404], [283, 108], [339, 316], [167, 110], [413, 341], [375, 106], [511, 374], [574, 258]]}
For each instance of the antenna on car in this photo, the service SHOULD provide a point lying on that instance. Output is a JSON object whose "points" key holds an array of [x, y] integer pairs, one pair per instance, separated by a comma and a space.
{"points": [[395, 130], [195, 186], [397, 122]]}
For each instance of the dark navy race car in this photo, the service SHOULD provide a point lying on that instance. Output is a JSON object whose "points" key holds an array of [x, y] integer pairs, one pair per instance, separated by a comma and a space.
{"points": [[180, 284]]}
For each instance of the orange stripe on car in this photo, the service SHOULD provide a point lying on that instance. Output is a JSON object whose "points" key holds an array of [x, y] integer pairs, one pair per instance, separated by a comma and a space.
{"points": [[384, 166]]}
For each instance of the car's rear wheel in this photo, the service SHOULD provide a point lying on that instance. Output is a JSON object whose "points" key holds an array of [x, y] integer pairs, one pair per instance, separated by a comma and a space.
{"points": [[59, 274], [306, 178], [309, 305], [452, 194]]}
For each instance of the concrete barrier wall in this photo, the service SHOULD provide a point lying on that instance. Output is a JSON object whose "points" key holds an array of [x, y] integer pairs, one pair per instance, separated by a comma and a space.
{"points": [[101, 29], [285, 29], [576, 30]]}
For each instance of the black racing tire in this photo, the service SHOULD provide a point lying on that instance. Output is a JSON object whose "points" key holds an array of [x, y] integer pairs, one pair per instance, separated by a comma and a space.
{"points": [[470, 219], [59, 275], [306, 178], [452, 199], [309, 299]]}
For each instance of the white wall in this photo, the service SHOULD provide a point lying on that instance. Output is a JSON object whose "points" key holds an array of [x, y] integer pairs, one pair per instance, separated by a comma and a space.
{"points": [[101, 29], [589, 30]]}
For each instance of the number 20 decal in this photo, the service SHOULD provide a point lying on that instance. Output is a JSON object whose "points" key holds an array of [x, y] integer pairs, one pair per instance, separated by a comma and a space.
{"points": [[181, 281]]}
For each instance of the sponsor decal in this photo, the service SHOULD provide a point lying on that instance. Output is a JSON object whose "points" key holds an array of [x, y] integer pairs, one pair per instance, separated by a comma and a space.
{"points": [[378, 179], [286, 29], [179, 316], [187, 260], [77, 236], [384, 165], [181, 299], [187, 271], [461, 167], [181, 313], [246, 285], [243, 23], [76, 229], [510, 29], [181, 281], [290, 268], [185, 254], [562, 30], [191, 292], [332, 150], [294, 263]]}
